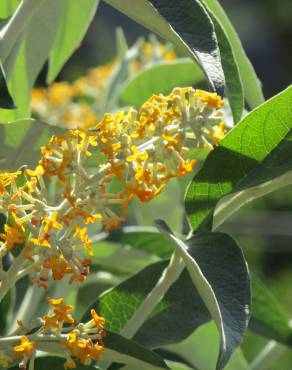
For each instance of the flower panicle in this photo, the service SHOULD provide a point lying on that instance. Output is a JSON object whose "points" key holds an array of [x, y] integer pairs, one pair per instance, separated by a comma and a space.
{"points": [[141, 151], [81, 342]]}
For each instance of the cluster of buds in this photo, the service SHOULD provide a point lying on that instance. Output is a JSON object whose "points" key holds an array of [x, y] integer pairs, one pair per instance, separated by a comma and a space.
{"points": [[138, 151], [81, 103], [82, 342]]}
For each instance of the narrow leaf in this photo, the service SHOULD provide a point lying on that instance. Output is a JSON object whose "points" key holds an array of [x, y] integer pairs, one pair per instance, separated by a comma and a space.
{"points": [[186, 24], [251, 85], [243, 158], [76, 18], [234, 90]]}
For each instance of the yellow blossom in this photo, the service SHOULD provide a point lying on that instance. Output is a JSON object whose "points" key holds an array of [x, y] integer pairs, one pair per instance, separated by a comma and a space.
{"points": [[26, 347]]}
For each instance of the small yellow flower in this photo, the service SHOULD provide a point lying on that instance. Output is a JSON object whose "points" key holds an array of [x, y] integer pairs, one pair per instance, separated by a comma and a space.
{"points": [[52, 223], [26, 347]]}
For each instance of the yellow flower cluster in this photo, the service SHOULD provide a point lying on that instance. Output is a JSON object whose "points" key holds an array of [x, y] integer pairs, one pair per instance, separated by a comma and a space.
{"points": [[82, 342], [81, 103], [137, 151]]}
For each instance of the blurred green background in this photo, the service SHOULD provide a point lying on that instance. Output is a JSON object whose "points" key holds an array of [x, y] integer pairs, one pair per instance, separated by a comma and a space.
{"points": [[263, 228]]}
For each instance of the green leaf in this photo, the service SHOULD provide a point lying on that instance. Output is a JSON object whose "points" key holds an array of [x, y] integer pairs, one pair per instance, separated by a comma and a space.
{"points": [[255, 151], [29, 54], [160, 77], [185, 23], [268, 318], [20, 142], [114, 257], [76, 18], [234, 90], [119, 75], [142, 238], [182, 310], [18, 84], [218, 270], [6, 100], [122, 350], [251, 85], [121, 42]]}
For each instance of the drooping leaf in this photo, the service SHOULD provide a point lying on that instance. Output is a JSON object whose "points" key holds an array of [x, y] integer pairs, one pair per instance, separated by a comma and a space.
{"points": [[185, 23], [268, 318], [182, 310], [255, 151], [218, 270], [20, 142], [76, 18], [251, 85], [143, 238], [158, 78], [234, 90]]}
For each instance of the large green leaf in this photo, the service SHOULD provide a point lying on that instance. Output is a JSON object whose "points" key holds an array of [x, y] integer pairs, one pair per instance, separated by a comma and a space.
{"points": [[268, 318], [20, 142], [257, 150], [251, 85], [182, 309], [160, 77], [185, 23], [218, 270], [76, 18]]}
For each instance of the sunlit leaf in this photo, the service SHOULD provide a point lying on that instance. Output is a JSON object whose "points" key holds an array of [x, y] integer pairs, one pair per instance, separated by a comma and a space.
{"points": [[159, 78], [76, 18], [186, 24], [257, 150]]}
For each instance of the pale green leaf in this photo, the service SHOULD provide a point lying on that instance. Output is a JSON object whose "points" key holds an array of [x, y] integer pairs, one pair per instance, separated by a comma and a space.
{"points": [[76, 18], [20, 142], [160, 77]]}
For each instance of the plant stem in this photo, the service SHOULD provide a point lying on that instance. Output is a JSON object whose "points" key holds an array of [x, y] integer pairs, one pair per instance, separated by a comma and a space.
{"points": [[27, 308], [16, 26], [11, 276], [265, 359], [168, 277]]}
